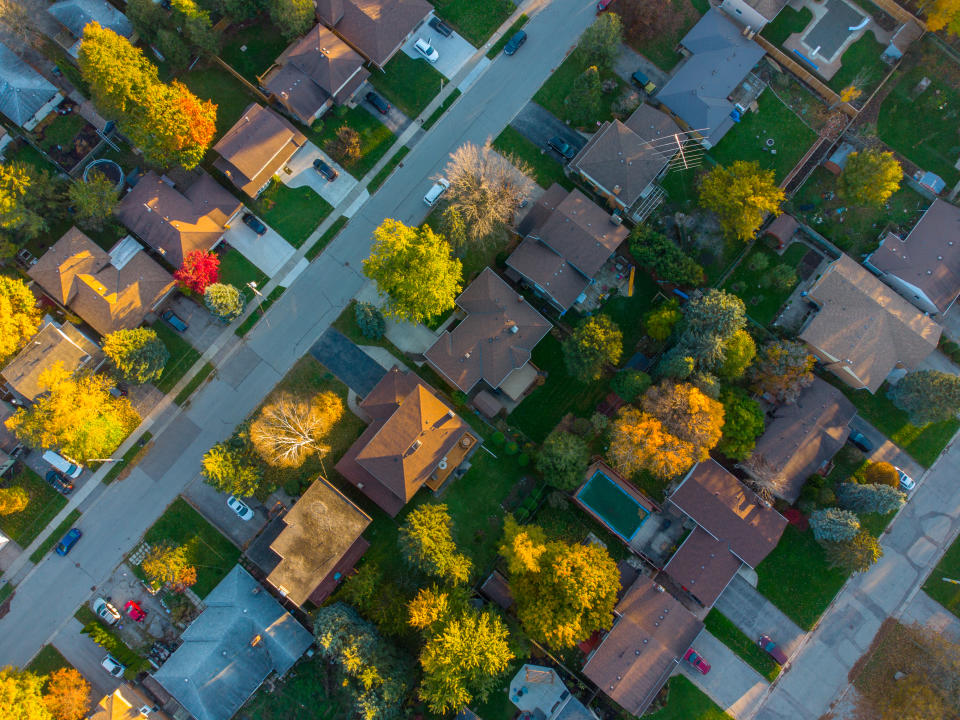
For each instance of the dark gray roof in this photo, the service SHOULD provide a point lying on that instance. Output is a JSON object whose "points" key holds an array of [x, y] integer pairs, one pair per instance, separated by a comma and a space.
{"points": [[241, 637], [75, 14], [23, 90]]}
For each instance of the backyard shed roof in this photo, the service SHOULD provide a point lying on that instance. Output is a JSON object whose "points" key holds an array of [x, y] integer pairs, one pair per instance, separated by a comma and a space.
{"points": [[23, 91], [783, 228], [496, 589], [375, 27]]}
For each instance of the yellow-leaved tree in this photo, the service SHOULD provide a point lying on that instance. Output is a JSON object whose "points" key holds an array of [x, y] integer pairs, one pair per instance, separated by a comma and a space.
{"points": [[741, 195], [944, 15], [639, 441], [685, 412]]}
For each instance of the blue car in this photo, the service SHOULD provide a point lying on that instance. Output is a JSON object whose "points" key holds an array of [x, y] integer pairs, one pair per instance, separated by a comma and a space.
{"points": [[69, 540]]}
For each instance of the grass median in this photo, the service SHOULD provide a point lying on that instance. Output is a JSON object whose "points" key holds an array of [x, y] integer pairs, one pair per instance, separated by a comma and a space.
{"points": [[194, 383], [130, 457]]}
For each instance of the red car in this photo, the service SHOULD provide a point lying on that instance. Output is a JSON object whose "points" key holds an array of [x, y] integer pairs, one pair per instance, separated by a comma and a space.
{"points": [[772, 649], [134, 610], [695, 659]]}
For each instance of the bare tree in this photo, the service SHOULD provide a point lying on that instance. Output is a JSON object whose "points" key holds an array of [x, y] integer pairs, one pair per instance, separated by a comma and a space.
{"points": [[486, 187], [768, 479], [289, 428], [18, 19]]}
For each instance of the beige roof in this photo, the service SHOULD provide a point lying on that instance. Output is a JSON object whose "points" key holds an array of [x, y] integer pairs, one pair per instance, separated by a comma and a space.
{"points": [[377, 28], [52, 344], [256, 147], [109, 290], [768, 8], [864, 329], [124, 704], [703, 566], [496, 337]]}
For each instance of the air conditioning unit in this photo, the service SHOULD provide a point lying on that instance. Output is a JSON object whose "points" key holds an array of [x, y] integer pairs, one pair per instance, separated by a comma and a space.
{"points": [[616, 219]]}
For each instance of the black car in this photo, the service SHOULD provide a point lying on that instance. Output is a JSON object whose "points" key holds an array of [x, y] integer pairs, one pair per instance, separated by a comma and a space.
{"points": [[860, 441], [440, 26], [252, 222], [382, 106], [514, 43], [59, 482], [561, 146], [328, 172]]}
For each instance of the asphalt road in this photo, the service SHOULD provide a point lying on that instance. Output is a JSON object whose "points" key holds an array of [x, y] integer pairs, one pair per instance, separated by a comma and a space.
{"points": [[46, 599]]}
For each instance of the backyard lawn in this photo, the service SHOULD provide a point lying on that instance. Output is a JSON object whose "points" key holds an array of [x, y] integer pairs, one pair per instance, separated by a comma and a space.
{"points": [[667, 21], [210, 82], [302, 695], [748, 650], [762, 298], [293, 212], [375, 137], [861, 67], [553, 93], [570, 523], [945, 593], [787, 22], [61, 131], [627, 312], [546, 169], [44, 504], [251, 50], [475, 20], [236, 270], [686, 702], [407, 83], [182, 356]]}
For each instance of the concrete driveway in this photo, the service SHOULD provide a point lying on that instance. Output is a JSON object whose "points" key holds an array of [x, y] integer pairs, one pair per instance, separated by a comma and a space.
{"points": [[539, 125], [85, 655], [745, 607], [202, 327], [629, 61], [731, 683], [302, 174], [454, 51], [951, 322], [269, 251], [395, 121], [886, 451], [212, 504]]}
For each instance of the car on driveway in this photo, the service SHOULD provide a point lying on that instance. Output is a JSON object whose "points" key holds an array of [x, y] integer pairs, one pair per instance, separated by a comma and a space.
{"points": [[440, 26], [105, 611], [643, 82], [59, 482], [242, 510], [772, 649], [860, 441], [174, 321], [426, 49], [325, 170], [514, 43], [695, 659], [381, 105], [561, 146], [253, 222], [69, 540], [112, 665], [907, 483]]}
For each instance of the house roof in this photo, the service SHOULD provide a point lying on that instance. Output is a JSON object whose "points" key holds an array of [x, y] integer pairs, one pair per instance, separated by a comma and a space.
{"points": [[863, 328], [768, 8], [783, 227], [703, 566], [649, 637], [23, 91], [623, 158], [241, 637], [721, 58], [52, 344], [374, 27], [495, 338], [256, 147], [8, 441], [176, 222], [76, 14], [802, 436], [539, 691], [725, 508], [496, 589], [929, 257], [319, 529], [109, 290], [124, 703]]}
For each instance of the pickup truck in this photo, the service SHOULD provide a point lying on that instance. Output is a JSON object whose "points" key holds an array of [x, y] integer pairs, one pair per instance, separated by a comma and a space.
{"points": [[440, 26]]}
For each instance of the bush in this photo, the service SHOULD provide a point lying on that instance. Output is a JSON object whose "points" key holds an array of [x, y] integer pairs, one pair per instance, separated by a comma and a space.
{"points": [[882, 473], [523, 460], [630, 384], [498, 438], [582, 427], [512, 448], [369, 320]]}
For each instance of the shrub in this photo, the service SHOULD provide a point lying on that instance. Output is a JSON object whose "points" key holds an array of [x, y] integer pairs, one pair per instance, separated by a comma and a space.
{"points": [[498, 438], [882, 473], [523, 460], [630, 384], [369, 320], [582, 427], [511, 448]]}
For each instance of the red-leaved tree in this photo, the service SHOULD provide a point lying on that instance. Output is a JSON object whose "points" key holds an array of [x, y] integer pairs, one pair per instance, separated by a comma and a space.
{"points": [[200, 268]]}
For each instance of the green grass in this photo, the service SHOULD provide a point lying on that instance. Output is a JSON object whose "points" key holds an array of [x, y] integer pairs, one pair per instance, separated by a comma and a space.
{"points": [[44, 504], [659, 43], [6, 590], [236, 270], [553, 93], [229, 95], [293, 212], [861, 66], [773, 120], [61, 131], [182, 357], [130, 457], [407, 83], [47, 661], [945, 593], [263, 43], [194, 383], [54, 537], [627, 312], [22, 151], [686, 702], [85, 615], [787, 22], [441, 109], [327, 236], [375, 137], [746, 648], [505, 38], [764, 302], [570, 523], [254, 317], [301, 695], [546, 170], [381, 177], [475, 20]]}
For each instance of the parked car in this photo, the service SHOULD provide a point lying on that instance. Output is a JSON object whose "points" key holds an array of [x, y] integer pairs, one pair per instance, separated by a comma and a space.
{"points": [[426, 49], [59, 482], [112, 665], [325, 170], [695, 659], [242, 510], [69, 540], [603, 5], [514, 43], [434, 193], [105, 611], [565, 149], [62, 464], [643, 82], [860, 441], [174, 321], [440, 26], [907, 483], [381, 105], [772, 649], [253, 222], [136, 613]]}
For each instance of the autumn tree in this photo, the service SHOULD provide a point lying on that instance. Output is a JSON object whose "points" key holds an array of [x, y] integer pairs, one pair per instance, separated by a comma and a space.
{"points": [[292, 17], [834, 525], [782, 369], [882, 473], [454, 229], [743, 423], [767, 478], [13, 499], [738, 352], [139, 354], [196, 26], [224, 300], [369, 320], [426, 543], [414, 269], [869, 178], [663, 257], [927, 396], [639, 441], [67, 696], [944, 15], [230, 469], [584, 103], [200, 268], [29, 199], [686, 413], [595, 343], [742, 195], [19, 316], [881, 499], [600, 43], [290, 428], [168, 564], [857, 554], [660, 321], [93, 200], [20, 695], [117, 73], [562, 459]]}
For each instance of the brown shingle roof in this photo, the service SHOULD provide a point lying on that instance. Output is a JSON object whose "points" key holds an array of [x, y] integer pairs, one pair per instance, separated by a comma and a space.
{"points": [[783, 228], [256, 147], [643, 647], [725, 508], [110, 291], [864, 328], [377, 28], [703, 566], [49, 346], [495, 338]]}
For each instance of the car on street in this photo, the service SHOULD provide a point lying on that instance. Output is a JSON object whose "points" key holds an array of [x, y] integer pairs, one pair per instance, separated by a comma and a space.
{"points": [[381, 105], [174, 321], [69, 540], [253, 222], [242, 510], [514, 43], [105, 611], [325, 170], [695, 659], [426, 49], [440, 26], [112, 665], [561, 146], [59, 482], [860, 441], [643, 82], [435, 191], [907, 483], [772, 649]]}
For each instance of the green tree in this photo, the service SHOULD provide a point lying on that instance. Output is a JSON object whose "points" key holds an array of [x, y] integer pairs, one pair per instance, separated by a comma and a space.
{"points": [[13, 499], [882, 473], [172, 46], [19, 316], [169, 565], [676, 364], [584, 102], [239, 10], [414, 269], [927, 396], [93, 200], [230, 469], [713, 320], [738, 352], [20, 695], [292, 17], [595, 343], [196, 25], [782, 370], [870, 178], [426, 543], [119, 75], [660, 321], [881, 499], [782, 277], [630, 384], [225, 301], [369, 320], [741, 195], [600, 43], [139, 354], [562, 459], [834, 525], [743, 423], [28, 199], [454, 228], [663, 257], [857, 554]]}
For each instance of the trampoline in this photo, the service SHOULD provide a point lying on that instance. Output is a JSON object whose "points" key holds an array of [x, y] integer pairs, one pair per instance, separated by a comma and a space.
{"points": [[612, 505]]}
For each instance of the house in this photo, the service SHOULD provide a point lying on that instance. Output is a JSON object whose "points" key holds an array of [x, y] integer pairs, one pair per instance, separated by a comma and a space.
{"points": [[375, 28], [109, 290], [241, 638], [650, 634], [307, 551], [315, 73], [493, 342], [862, 329], [801, 438], [256, 147], [53, 343], [623, 160], [127, 702], [567, 240], [924, 266], [753, 14], [10, 446], [734, 528], [75, 15], [538, 692], [413, 439], [26, 97], [176, 222], [714, 86]]}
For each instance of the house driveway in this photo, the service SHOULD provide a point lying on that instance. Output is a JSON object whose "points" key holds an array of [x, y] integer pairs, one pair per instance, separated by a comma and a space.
{"points": [[212, 504], [302, 174], [85, 655], [454, 51], [269, 251], [951, 322], [355, 369], [395, 121], [886, 451], [938, 361], [408, 337], [745, 607], [629, 61], [539, 125], [202, 327], [731, 683]]}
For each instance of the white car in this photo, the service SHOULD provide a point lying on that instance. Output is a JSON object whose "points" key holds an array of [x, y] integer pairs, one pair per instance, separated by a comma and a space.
{"points": [[113, 666], [426, 49], [105, 611], [907, 483], [242, 510]]}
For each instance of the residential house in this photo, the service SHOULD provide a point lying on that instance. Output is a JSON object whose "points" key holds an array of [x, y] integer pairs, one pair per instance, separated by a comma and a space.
{"points": [[924, 266], [650, 634], [714, 86], [567, 240], [623, 160], [307, 551], [175, 222], [109, 290], [26, 97], [256, 147], [753, 14], [538, 692], [127, 702], [242, 637], [375, 28], [495, 340], [801, 438], [414, 439], [315, 73], [734, 528], [862, 329], [75, 15], [10, 446]]}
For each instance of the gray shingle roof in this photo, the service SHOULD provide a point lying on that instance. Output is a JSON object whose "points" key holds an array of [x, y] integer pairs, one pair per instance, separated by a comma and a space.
{"points": [[75, 14], [23, 90]]}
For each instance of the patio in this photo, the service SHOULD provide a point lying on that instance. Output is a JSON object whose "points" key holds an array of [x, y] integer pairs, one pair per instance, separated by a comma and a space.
{"points": [[613, 279]]}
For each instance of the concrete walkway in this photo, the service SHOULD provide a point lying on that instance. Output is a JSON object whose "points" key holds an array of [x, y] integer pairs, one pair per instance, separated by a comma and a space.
{"points": [[731, 683], [926, 611]]}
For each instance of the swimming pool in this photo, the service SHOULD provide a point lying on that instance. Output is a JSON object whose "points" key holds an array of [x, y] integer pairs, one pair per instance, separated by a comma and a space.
{"points": [[612, 505]]}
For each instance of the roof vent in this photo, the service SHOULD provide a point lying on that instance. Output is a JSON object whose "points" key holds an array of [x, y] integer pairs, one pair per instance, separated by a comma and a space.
{"points": [[939, 257], [416, 446], [514, 329], [520, 298]]}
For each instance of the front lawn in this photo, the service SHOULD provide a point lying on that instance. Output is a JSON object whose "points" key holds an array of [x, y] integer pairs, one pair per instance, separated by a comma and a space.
{"points": [[44, 504], [746, 648], [475, 20], [182, 357], [47, 661], [252, 49], [236, 270], [407, 83], [375, 137], [787, 22], [946, 593], [861, 67], [546, 169], [763, 300], [210, 82], [293, 212], [553, 93], [686, 702], [667, 22]]}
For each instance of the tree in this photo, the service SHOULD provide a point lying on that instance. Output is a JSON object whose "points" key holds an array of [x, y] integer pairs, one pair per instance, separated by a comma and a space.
{"points": [[741, 195], [93, 200], [290, 428], [712, 321], [881, 499], [562, 459], [13, 500], [485, 188], [225, 301], [783, 369], [196, 25], [78, 416], [584, 102], [292, 17], [200, 268], [834, 525], [663, 257], [67, 694], [345, 146], [629, 384], [927, 395], [857, 554], [172, 46], [676, 364], [20, 695], [168, 564], [685, 412], [369, 320], [29, 198], [600, 43], [660, 321], [119, 75], [882, 473], [139, 354], [869, 178], [743, 423], [414, 269], [454, 229], [427, 544], [639, 441], [595, 343], [944, 14], [768, 479], [19, 316], [231, 470], [738, 352]]}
